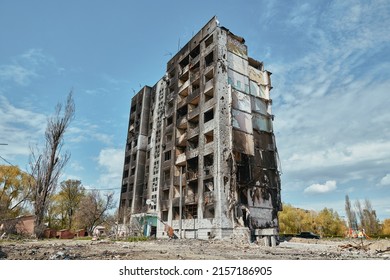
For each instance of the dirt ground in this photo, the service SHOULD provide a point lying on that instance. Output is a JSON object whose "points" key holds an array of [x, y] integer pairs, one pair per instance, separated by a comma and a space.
{"points": [[294, 249]]}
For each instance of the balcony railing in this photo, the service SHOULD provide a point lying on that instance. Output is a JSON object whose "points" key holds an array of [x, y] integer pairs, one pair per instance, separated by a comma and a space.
{"points": [[181, 159], [192, 175]]}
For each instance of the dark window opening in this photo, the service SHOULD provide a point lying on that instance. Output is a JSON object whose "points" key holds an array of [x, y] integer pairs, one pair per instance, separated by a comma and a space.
{"points": [[165, 216], [184, 62], [193, 123], [209, 137], [127, 160], [195, 52], [208, 164], [172, 74], [192, 168], [195, 86], [208, 41], [124, 188], [243, 169], [209, 76], [209, 59], [182, 112], [167, 155], [195, 68], [126, 173], [191, 211], [209, 115], [184, 78], [209, 94], [169, 120], [132, 171]]}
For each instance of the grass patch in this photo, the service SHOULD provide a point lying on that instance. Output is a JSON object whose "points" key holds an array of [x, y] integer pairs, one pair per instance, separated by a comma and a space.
{"points": [[136, 238], [83, 238]]}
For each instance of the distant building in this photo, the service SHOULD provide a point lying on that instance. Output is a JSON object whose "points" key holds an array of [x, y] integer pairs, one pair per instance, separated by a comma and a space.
{"points": [[205, 126], [23, 225]]}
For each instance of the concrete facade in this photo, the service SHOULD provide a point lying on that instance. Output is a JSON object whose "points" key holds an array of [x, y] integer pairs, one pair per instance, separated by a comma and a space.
{"points": [[201, 146]]}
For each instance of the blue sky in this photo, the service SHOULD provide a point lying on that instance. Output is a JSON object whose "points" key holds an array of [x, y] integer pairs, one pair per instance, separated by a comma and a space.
{"points": [[331, 76]]}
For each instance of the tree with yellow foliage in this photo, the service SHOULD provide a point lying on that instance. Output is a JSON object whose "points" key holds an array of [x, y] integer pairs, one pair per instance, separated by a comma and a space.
{"points": [[386, 227], [15, 191], [294, 220]]}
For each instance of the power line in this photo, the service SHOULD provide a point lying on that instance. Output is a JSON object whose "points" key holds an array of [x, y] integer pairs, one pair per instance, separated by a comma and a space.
{"points": [[106, 189], [6, 161]]}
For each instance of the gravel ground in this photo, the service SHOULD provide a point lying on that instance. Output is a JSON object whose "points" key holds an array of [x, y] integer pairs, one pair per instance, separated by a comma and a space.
{"points": [[294, 249]]}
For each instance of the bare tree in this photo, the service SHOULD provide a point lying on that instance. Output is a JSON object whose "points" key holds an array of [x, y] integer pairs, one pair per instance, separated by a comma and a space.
{"points": [[46, 165], [371, 221], [351, 215], [92, 210]]}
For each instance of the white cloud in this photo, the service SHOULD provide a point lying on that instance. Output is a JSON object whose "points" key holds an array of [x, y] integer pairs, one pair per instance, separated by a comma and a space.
{"points": [[25, 67], [385, 181], [16, 73], [19, 128], [76, 166], [331, 103], [329, 186], [82, 131], [110, 161]]}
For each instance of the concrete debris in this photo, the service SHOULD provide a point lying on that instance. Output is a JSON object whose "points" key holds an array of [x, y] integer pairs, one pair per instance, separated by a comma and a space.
{"points": [[190, 249]]}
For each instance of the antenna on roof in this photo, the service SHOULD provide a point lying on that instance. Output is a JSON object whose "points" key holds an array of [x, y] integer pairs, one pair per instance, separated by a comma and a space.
{"points": [[178, 45]]}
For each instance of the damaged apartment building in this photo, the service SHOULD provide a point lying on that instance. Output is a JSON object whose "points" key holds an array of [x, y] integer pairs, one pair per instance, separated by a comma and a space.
{"points": [[201, 159]]}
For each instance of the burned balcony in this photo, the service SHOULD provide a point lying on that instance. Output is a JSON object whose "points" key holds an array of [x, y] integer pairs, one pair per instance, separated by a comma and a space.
{"points": [[191, 196], [183, 63], [192, 175], [184, 89], [181, 121], [195, 90], [191, 199], [192, 169], [194, 70], [180, 156], [193, 143], [184, 76], [181, 139], [193, 126], [193, 106]]}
